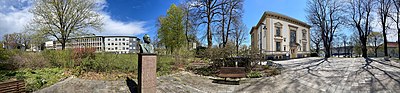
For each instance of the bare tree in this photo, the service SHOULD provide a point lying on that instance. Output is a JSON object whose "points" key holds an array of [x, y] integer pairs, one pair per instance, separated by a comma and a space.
{"points": [[383, 12], [396, 18], [360, 13], [189, 22], [326, 15], [316, 39], [374, 39], [17, 40], [207, 10], [239, 33], [229, 10], [62, 19]]}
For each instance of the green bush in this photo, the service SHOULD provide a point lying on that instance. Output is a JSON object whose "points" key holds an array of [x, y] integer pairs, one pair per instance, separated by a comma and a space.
{"points": [[164, 65], [35, 79], [59, 58], [254, 74]]}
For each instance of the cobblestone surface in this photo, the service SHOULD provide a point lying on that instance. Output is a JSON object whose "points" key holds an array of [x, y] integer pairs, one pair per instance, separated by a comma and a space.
{"points": [[306, 75]]}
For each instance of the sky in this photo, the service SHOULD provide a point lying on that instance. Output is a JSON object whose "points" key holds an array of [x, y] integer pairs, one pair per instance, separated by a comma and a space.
{"points": [[139, 17]]}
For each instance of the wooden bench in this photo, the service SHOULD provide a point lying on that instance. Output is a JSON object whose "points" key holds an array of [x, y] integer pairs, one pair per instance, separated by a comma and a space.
{"points": [[232, 72], [12, 87]]}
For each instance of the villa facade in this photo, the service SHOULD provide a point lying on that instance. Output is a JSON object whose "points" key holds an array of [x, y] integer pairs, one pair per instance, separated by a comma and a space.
{"points": [[277, 36]]}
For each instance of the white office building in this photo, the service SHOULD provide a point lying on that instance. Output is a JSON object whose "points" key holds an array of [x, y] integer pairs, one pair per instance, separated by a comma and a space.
{"points": [[112, 44]]}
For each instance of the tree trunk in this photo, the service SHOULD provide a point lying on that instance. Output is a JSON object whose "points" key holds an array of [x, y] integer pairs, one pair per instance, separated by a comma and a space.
{"points": [[364, 48], [385, 43], [376, 49], [62, 45], [317, 50]]}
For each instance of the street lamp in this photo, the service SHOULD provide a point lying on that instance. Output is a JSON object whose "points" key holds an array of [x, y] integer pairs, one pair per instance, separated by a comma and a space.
{"points": [[264, 28]]}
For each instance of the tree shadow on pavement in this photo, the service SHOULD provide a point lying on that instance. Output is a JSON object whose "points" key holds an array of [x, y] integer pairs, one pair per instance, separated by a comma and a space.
{"points": [[390, 74], [291, 85], [376, 75], [132, 85]]}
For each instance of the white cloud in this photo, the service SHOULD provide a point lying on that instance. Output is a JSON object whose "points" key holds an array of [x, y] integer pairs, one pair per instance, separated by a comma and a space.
{"points": [[14, 15], [115, 27]]}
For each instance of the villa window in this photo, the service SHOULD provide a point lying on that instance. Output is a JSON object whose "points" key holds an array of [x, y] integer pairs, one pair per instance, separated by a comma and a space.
{"points": [[304, 47], [278, 46], [278, 31], [278, 28], [284, 48], [292, 36], [304, 34]]}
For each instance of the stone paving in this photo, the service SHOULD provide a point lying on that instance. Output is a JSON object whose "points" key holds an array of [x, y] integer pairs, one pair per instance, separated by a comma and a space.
{"points": [[306, 75]]}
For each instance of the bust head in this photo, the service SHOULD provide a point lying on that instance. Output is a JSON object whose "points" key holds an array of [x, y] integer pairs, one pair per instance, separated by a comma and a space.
{"points": [[146, 39]]}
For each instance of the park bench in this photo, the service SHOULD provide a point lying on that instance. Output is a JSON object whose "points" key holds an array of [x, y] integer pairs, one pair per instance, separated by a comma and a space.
{"points": [[232, 72], [12, 87]]}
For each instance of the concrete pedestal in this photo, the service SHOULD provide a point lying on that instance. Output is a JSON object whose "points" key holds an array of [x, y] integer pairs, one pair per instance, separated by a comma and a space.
{"points": [[147, 73]]}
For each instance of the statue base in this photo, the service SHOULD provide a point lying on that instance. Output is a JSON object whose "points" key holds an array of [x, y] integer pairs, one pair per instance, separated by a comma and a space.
{"points": [[147, 76]]}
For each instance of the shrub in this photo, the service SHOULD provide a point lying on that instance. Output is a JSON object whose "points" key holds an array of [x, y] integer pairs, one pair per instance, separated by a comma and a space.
{"points": [[40, 78], [164, 65], [59, 58], [29, 60], [254, 74]]}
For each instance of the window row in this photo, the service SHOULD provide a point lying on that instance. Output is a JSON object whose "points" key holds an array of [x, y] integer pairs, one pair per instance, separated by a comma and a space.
{"points": [[118, 39], [123, 48], [118, 43]]}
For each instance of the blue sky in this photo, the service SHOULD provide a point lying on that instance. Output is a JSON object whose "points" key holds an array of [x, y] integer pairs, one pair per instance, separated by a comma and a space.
{"points": [[139, 17], [149, 10]]}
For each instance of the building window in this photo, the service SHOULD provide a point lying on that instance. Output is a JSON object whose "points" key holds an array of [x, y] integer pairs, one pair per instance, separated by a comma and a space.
{"points": [[115, 39], [305, 34], [284, 47], [123, 48], [278, 31], [123, 43], [278, 46], [119, 39], [123, 39], [108, 43], [278, 27], [108, 39], [108, 48], [112, 43], [119, 43], [127, 48], [292, 36], [304, 47], [116, 48]]}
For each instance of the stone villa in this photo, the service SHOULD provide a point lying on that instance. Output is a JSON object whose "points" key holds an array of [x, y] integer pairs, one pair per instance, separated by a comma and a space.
{"points": [[277, 36]]}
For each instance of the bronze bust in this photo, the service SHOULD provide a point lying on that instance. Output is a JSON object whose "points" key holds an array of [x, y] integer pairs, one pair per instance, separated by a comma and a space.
{"points": [[146, 47]]}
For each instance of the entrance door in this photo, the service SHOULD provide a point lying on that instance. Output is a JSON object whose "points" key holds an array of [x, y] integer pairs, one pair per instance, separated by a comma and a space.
{"points": [[293, 52]]}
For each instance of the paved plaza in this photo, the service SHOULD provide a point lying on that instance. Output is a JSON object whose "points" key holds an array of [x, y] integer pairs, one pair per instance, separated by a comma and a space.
{"points": [[305, 75]]}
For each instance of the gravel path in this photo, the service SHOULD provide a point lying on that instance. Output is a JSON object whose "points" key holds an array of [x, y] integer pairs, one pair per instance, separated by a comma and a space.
{"points": [[306, 75]]}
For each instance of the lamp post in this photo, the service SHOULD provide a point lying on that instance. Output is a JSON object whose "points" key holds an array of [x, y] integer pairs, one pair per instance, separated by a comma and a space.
{"points": [[264, 28]]}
